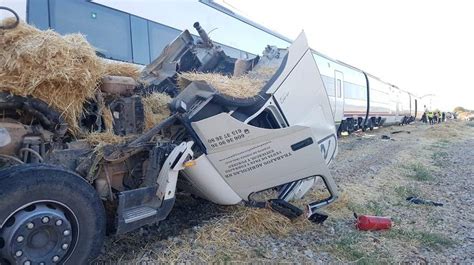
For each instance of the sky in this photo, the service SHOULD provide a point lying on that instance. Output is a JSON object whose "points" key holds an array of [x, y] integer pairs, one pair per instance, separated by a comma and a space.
{"points": [[426, 47]]}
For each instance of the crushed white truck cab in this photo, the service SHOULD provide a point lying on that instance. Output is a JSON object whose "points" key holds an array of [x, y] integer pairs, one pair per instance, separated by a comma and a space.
{"points": [[248, 158]]}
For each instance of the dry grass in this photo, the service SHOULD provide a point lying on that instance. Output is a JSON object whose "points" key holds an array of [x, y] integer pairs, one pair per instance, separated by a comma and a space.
{"points": [[252, 222], [223, 234], [63, 71], [450, 130], [101, 138], [156, 109], [108, 119], [262, 73], [121, 69], [245, 86], [419, 172], [340, 208]]}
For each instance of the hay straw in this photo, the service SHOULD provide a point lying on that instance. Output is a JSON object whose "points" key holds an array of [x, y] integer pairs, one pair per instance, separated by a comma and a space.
{"points": [[263, 73], [101, 138], [63, 71], [252, 221], [224, 234], [248, 222], [108, 119], [244, 86], [60, 70], [121, 69], [156, 109]]}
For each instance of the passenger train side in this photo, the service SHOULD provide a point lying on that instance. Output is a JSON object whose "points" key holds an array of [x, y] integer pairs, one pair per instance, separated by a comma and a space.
{"points": [[362, 101], [137, 33]]}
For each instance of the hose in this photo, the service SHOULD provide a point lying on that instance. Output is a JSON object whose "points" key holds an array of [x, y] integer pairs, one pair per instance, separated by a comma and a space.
{"points": [[14, 25], [49, 118], [40, 158], [2, 156]]}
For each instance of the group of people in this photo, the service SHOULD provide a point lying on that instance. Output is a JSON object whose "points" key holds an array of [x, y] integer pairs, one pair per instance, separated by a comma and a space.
{"points": [[433, 117]]}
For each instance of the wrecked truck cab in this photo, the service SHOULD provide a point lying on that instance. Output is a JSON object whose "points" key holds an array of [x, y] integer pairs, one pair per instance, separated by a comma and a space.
{"points": [[282, 136], [221, 146]]}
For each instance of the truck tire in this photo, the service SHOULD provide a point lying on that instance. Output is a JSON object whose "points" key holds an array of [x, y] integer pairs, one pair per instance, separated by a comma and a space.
{"points": [[48, 215]]}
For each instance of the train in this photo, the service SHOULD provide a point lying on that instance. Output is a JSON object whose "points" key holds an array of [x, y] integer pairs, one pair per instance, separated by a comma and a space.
{"points": [[125, 31], [361, 101]]}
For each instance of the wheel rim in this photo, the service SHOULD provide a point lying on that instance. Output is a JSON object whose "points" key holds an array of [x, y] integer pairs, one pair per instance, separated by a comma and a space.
{"points": [[41, 232]]}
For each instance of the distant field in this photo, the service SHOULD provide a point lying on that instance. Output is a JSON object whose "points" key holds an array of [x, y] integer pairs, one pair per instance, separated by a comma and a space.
{"points": [[375, 177]]}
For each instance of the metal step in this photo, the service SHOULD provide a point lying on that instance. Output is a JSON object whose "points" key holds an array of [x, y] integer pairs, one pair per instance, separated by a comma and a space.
{"points": [[139, 207], [138, 213]]}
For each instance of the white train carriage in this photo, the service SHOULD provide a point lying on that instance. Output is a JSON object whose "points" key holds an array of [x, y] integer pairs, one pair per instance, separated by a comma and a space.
{"points": [[137, 33], [347, 91], [382, 103]]}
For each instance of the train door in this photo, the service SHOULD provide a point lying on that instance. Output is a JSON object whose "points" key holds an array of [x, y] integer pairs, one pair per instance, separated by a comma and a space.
{"points": [[411, 107], [332, 99], [416, 108], [339, 96], [398, 110]]}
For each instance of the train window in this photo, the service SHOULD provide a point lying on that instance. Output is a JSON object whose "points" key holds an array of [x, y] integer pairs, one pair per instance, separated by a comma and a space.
{"points": [[329, 84], [379, 96], [141, 48], [38, 14], [106, 29], [354, 91], [160, 36], [339, 88]]}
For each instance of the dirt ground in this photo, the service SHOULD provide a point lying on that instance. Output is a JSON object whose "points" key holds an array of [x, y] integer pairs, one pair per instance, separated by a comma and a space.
{"points": [[374, 175]]}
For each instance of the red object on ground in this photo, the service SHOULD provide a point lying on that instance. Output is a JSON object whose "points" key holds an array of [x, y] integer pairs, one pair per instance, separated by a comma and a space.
{"points": [[368, 222]]}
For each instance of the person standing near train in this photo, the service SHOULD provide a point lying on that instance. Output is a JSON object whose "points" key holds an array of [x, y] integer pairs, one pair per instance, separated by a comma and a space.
{"points": [[430, 117], [423, 117]]}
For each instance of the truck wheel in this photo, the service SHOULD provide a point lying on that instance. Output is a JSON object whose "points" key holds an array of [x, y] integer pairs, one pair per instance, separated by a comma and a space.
{"points": [[48, 215]]}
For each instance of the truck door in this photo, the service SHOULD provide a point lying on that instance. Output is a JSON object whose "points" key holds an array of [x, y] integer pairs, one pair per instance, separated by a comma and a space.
{"points": [[251, 159], [339, 99]]}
